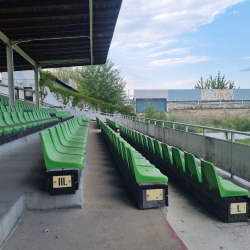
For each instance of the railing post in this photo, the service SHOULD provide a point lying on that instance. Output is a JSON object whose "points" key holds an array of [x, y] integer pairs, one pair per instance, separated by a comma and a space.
{"points": [[173, 126], [162, 124], [232, 157], [204, 145], [155, 122], [186, 128]]}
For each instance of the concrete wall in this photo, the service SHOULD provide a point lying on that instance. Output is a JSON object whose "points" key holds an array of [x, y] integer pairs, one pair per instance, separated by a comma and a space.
{"points": [[215, 150], [184, 94], [173, 95]]}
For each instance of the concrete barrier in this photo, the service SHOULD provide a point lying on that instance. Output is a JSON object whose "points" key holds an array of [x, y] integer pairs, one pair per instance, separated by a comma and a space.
{"points": [[215, 150]]}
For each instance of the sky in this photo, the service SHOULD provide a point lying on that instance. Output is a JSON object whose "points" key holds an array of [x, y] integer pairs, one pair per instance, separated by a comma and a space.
{"points": [[169, 44]]}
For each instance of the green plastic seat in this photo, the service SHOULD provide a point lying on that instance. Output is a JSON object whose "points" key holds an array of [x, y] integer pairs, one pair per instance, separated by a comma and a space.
{"points": [[145, 141], [69, 137], [166, 154], [222, 187], [61, 148], [4, 127], [177, 159], [17, 121], [145, 174], [191, 166], [9, 122], [21, 119], [158, 149], [151, 145], [65, 142], [27, 119], [54, 160]]}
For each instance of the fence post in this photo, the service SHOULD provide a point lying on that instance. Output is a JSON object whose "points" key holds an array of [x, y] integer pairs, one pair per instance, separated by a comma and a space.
{"points": [[162, 124], [232, 157], [186, 128], [155, 122], [173, 126], [204, 145]]}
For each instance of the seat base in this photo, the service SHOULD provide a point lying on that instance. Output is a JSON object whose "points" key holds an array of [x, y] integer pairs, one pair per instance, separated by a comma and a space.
{"points": [[58, 185]]}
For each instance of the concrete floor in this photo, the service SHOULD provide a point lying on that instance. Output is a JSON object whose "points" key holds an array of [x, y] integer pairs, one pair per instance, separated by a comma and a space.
{"points": [[109, 220], [199, 228], [21, 170]]}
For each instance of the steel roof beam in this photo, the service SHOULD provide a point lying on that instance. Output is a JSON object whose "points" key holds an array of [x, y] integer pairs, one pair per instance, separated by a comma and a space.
{"points": [[91, 30], [8, 42]]}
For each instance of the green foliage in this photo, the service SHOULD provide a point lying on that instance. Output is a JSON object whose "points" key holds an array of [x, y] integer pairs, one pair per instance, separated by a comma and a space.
{"points": [[79, 100], [219, 82], [151, 112], [65, 73], [231, 123], [243, 141], [102, 82]]}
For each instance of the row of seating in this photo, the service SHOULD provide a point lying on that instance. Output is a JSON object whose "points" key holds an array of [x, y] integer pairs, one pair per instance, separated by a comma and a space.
{"points": [[140, 175], [112, 124], [141, 168], [17, 121], [205, 174], [64, 115], [20, 106], [64, 146]]}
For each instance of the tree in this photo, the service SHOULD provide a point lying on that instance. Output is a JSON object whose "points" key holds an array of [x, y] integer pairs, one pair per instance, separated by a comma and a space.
{"points": [[219, 82], [65, 73], [102, 82]]}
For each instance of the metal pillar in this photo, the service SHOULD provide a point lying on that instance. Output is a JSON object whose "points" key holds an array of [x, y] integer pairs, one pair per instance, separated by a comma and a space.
{"points": [[10, 68], [36, 87]]}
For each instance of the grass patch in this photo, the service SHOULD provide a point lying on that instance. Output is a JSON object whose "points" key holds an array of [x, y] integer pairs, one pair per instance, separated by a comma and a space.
{"points": [[243, 141]]}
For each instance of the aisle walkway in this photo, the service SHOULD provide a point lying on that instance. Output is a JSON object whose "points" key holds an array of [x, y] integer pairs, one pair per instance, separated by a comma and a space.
{"points": [[109, 220]]}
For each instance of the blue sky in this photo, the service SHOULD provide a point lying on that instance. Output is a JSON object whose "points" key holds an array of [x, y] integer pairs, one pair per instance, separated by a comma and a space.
{"points": [[164, 45]]}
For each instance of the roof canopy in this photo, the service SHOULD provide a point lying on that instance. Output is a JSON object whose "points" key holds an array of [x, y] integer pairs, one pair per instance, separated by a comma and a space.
{"points": [[57, 33]]}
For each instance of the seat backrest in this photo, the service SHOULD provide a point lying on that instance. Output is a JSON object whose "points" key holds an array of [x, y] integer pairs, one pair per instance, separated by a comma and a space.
{"points": [[21, 117], [158, 149], [166, 154], [140, 139], [131, 159], [2, 122], [177, 159], [14, 117], [54, 137], [191, 166], [209, 176], [7, 118], [26, 116], [145, 141], [151, 145]]}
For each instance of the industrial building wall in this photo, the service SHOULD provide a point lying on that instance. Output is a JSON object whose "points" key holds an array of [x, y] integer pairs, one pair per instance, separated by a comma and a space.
{"points": [[172, 95], [160, 103]]}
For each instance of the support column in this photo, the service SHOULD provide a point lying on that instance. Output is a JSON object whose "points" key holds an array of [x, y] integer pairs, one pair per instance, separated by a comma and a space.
{"points": [[10, 68], [36, 87]]}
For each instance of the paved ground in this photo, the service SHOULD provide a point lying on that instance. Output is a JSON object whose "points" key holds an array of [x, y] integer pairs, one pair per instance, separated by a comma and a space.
{"points": [[199, 228], [21, 170], [109, 220]]}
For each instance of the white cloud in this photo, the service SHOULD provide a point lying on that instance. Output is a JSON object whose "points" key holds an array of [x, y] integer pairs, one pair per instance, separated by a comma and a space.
{"points": [[235, 12], [171, 52], [143, 23], [178, 61], [246, 57]]}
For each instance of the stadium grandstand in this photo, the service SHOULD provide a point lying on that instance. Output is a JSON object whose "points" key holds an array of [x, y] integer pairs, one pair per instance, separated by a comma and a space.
{"points": [[84, 179]]}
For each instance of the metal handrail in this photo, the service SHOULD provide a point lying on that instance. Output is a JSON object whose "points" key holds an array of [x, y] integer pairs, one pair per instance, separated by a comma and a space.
{"points": [[205, 128]]}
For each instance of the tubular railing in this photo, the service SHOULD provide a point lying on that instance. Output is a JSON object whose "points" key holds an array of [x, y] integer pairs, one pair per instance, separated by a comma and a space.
{"points": [[204, 128]]}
